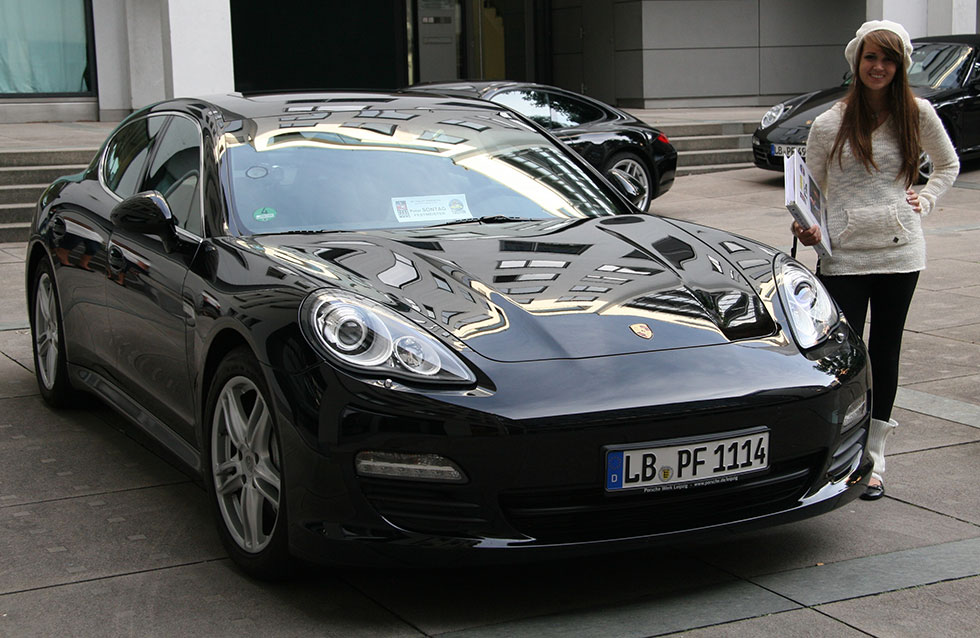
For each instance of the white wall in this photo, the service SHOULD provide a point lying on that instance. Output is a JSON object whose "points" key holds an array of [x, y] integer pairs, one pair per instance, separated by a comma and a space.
{"points": [[152, 50], [111, 59], [196, 43], [927, 17]]}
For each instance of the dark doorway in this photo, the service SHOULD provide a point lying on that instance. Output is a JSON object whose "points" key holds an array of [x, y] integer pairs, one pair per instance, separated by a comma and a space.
{"points": [[319, 44]]}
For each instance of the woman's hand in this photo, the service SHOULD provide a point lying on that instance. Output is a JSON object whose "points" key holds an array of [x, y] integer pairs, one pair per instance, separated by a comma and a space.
{"points": [[913, 199], [808, 237]]}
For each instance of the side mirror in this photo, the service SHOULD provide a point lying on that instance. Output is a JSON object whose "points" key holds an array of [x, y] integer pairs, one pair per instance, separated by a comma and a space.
{"points": [[148, 214], [627, 185]]}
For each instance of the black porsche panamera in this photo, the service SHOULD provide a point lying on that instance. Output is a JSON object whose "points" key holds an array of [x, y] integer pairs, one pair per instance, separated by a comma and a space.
{"points": [[605, 136], [402, 327]]}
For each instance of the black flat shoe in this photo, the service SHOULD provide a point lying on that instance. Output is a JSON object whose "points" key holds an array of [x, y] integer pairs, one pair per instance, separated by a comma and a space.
{"points": [[873, 492]]}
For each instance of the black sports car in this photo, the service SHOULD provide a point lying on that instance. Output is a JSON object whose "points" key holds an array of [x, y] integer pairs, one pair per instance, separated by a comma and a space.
{"points": [[945, 70], [605, 136], [391, 325]]}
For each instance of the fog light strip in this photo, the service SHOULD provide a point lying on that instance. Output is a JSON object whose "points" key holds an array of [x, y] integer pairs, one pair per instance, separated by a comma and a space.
{"points": [[420, 467]]}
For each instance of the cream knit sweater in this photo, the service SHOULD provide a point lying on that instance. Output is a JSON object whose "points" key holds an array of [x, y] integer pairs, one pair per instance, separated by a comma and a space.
{"points": [[872, 228]]}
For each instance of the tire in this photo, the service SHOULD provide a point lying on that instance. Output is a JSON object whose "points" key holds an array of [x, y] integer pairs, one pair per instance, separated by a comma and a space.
{"points": [[48, 341], [244, 470], [637, 168]]}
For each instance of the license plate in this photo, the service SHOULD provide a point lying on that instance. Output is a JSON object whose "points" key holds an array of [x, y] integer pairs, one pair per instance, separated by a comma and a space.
{"points": [[780, 150], [662, 467]]}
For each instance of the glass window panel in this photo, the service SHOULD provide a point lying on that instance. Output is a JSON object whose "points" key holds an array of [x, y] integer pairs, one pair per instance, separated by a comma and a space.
{"points": [[175, 173], [531, 104], [567, 112], [43, 47], [127, 152]]}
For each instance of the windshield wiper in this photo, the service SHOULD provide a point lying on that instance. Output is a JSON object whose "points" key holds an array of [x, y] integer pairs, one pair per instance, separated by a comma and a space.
{"points": [[488, 219]]}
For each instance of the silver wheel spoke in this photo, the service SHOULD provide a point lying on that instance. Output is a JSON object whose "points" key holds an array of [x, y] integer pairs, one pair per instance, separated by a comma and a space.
{"points": [[257, 428], [235, 419], [252, 517], [228, 478], [267, 482]]}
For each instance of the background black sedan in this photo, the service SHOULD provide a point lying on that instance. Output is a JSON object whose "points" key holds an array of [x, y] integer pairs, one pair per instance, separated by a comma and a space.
{"points": [[605, 136], [408, 326], [945, 71]]}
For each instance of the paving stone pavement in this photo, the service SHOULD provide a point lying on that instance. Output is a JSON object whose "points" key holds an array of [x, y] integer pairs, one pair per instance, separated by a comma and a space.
{"points": [[101, 535]]}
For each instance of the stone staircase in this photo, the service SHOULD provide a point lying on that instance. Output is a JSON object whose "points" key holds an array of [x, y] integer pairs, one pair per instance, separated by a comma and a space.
{"points": [[701, 148], [24, 174], [711, 147]]}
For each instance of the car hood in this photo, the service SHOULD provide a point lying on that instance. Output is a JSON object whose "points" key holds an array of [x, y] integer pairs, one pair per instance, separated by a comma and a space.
{"points": [[549, 289]]}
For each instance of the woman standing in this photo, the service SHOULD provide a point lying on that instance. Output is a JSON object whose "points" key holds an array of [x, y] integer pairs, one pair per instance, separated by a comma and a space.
{"points": [[864, 153]]}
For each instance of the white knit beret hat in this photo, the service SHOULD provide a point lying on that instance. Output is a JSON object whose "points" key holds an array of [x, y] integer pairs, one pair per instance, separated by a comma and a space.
{"points": [[854, 46]]}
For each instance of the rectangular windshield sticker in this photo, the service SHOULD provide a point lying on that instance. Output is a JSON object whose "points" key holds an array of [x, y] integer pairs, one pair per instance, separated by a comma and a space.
{"points": [[434, 208]]}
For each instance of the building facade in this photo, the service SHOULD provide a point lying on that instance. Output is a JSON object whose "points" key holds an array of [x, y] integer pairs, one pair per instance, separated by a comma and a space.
{"points": [[100, 59]]}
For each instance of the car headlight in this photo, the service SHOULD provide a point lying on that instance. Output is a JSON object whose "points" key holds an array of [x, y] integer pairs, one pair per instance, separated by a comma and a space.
{"points": [[810, 308], [372, 338], [772, 115]]}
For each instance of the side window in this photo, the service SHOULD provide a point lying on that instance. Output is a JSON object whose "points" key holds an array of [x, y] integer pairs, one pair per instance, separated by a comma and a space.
{"points": [[127, 152], [531, 104], [567, 112], [175, 172]]}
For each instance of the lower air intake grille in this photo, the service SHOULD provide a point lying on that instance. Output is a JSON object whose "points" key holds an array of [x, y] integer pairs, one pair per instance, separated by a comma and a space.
{"points": [[584, 514], [429, 510]]}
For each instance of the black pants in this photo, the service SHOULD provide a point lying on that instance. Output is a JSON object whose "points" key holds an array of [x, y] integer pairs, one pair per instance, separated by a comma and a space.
{"points": [[889, 297]]}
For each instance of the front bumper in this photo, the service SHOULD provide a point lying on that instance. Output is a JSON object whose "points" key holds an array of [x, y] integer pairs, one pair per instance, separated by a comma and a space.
{"points": [[536, 468]]}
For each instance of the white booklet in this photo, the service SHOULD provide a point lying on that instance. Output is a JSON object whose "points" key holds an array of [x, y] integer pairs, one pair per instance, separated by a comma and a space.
{"points": [[804, 199]]}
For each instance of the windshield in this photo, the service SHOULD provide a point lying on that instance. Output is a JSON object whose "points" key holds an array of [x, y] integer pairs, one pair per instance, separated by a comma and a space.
{"points": [[403, 173], [939, 64]]}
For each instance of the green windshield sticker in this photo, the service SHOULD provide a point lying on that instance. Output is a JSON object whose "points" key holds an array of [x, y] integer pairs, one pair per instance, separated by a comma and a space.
{"points": [[265, 214]]}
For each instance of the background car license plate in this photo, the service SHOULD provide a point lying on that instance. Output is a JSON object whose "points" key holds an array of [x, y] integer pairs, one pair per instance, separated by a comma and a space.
{"points": [[780, 150], [676, 464]]}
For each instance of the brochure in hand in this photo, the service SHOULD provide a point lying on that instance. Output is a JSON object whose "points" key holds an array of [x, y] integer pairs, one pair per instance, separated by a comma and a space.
{"points": [[804, 199]]}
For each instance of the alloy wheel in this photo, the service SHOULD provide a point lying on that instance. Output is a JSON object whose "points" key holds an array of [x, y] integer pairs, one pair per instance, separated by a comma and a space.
{"points": [[636, 170], [245, 464], [46, 330]]}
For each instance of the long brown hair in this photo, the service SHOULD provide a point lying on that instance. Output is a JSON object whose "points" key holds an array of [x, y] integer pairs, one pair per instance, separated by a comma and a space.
{"points": [[858, 120]]}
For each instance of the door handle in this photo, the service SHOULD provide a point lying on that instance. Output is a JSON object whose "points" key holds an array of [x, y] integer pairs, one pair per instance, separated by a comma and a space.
{"points": [[58, 228], [116, 259]]}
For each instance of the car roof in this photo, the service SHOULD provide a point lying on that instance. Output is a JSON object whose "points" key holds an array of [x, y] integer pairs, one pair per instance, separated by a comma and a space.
{"points": [[228, 113], [971, 39], [475, 88], [276, 104]]}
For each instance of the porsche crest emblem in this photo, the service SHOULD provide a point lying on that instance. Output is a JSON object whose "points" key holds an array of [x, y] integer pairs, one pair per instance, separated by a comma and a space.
{"points": [[642, 330]]}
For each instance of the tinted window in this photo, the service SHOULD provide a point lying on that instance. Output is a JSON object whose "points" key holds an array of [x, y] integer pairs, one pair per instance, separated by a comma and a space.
{"points": [[939, 65], [567, 112], [531, 104], [127, 152], [175, 172]]}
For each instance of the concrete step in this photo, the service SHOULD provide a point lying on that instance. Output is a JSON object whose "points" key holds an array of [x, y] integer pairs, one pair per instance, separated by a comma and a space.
{"points": [[16, 213], [711, 142], [46, 157], [20, 175], [719, 156], [707, 128], [712, 168], [21, 193], [14, 233]]}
